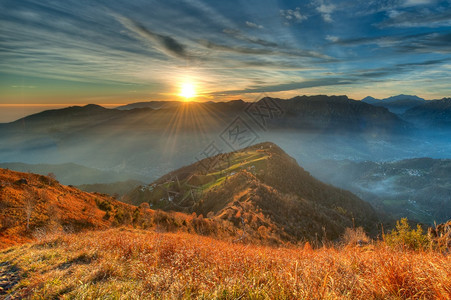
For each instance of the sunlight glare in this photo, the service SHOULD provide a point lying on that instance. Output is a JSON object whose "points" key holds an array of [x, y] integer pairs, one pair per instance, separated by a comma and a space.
{"points": [[187, 91]]}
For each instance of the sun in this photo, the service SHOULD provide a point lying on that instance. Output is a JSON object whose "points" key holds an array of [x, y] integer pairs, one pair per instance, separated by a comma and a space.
{"points": [[188, 91]]}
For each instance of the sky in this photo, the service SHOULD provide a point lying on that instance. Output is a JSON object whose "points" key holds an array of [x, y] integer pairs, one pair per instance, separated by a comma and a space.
{"points": [[115, 52]]}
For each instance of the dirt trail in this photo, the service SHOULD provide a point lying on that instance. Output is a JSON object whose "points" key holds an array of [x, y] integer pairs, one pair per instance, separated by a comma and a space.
{"points": [[9, 277]]}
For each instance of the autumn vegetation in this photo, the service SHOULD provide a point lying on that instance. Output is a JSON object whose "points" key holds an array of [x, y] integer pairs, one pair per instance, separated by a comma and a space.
{"points": [[242, 241], [262, 189], [33, 205], [135, 264]]}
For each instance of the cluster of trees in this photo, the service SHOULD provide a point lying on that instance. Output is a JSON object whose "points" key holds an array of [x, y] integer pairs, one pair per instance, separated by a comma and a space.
{"points": [[404, 237]]}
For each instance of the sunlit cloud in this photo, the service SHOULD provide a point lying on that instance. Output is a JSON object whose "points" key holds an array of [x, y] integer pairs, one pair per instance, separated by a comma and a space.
{"points": [[253, 25], [292, 16], [325, 9], [141, 51]]}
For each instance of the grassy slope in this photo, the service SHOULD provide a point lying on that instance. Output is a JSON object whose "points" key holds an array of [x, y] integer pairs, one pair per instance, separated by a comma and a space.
{"points": [[263, 188], [54, 208], [193, 178], [136, 264], [50, 205]]}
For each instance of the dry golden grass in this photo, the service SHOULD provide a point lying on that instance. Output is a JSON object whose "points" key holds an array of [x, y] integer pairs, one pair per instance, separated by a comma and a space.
{"points": [[137, 264]]}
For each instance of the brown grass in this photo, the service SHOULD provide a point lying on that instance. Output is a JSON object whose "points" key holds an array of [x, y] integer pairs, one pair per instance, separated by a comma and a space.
{"points": [[137, 264]]}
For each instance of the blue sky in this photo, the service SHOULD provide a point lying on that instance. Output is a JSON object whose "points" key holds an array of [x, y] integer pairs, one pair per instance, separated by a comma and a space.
{"points": [[125, 51]]}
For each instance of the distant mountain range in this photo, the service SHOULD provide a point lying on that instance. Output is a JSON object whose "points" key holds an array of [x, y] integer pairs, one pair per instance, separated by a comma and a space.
{"points": [[262, 190], [432, 114], [102, 138], [337, 114], [396, 104], [150, 104], [318, 113], [334, 114], [422, 114], [152, 141]]}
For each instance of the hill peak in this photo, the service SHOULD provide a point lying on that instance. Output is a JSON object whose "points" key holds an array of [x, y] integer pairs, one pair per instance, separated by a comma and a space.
{"points": [[404, 97], [259, 185]]}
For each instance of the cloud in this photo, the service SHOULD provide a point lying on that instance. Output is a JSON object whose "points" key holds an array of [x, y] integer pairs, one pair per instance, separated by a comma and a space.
{"points": [[164, 43], [290, 16], [436, 17], [264, 51], [325, 10], [237, 49], [240, 36], [399, 68], [434, 42], [418, 2], [379, 40], [424, 63], [253, 25], [359, 77], [332, 38], [289, 86], [429, 42]]}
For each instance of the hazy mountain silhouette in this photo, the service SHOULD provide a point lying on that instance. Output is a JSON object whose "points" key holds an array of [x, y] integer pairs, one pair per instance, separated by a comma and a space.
{"points": [[151, 142], [317, 113], [434, 113], [396, 104], [150, 104], [338, 114]]}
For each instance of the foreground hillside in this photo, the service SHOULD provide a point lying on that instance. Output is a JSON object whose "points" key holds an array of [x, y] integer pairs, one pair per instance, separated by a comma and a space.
{"points": [[263, 191], [136, 264], [32, 206]]}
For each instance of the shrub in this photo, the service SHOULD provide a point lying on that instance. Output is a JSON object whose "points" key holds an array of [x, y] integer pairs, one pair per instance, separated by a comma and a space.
{"points": [[355, 237], [107, 216], [103, 205], [121, 217], [144, 206], [406, 238]]}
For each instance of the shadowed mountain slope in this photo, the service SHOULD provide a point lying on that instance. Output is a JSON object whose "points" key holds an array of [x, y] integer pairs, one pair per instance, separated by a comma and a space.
{"points": [[435, 114]]}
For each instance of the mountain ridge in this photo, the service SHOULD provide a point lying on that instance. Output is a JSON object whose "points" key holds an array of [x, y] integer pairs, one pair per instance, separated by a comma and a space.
{"points": [[433, 113], [256, 186], [396, 104]]}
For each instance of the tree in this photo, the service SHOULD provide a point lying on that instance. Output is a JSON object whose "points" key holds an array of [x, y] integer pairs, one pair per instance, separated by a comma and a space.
{"points": [[53, 216], [52, 178], [405, 237], [29, 206]]}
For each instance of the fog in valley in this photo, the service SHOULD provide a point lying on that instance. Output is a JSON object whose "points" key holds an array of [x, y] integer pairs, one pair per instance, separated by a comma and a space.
{"points": [[109, 145]]}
